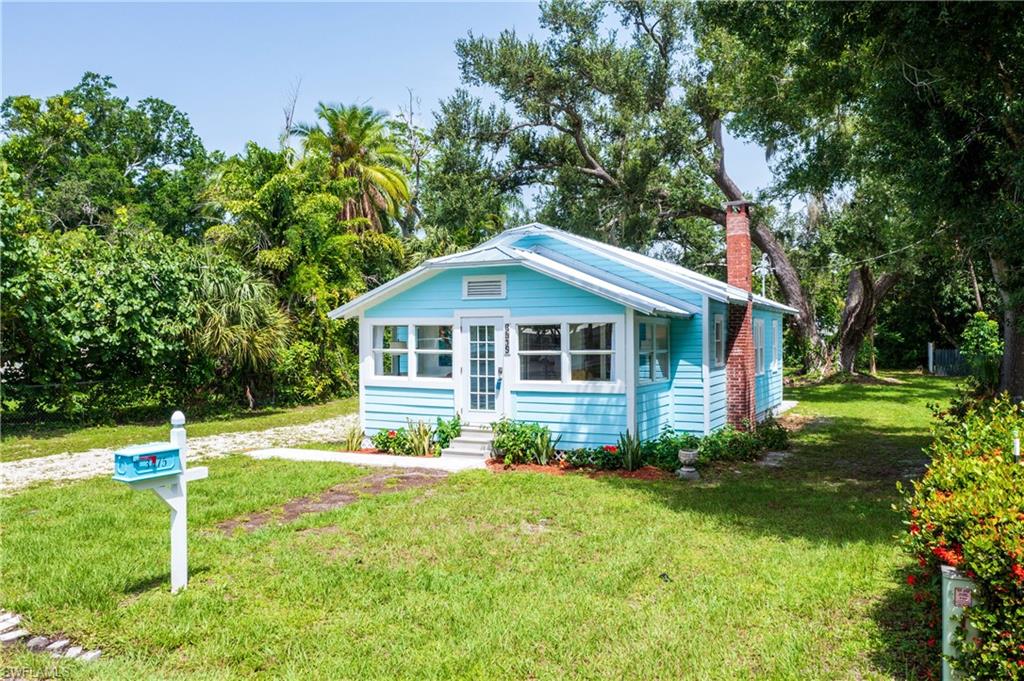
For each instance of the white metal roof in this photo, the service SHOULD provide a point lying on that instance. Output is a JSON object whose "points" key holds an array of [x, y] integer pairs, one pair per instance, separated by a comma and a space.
{"points": [[714, 288], [500, 251]]}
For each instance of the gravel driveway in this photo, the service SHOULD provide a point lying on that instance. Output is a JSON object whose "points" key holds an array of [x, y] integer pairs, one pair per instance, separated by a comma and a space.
{"points": [[17, 474]]}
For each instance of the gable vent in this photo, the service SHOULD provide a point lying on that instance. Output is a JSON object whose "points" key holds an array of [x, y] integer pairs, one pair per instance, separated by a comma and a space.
{"points": [[483, 287]]}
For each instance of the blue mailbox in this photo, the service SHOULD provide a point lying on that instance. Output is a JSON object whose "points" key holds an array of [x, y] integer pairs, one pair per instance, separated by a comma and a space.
{"points": [[144, 462]]}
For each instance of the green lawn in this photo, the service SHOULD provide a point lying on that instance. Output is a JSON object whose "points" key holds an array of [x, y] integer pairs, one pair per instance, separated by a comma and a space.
{"points": [[43, 441], [753, 573]]}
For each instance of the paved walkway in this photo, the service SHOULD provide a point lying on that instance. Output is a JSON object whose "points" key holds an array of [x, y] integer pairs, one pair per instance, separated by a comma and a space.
{"points": [[451, 464], [785, 406], [74, 466]]}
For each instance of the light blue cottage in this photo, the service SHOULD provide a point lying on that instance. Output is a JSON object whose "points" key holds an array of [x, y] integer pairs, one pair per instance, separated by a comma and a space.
{"points": [[542, 325]]}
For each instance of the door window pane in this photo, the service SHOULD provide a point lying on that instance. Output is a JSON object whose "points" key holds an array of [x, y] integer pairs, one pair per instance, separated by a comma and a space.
{"points": [[482, 368]]}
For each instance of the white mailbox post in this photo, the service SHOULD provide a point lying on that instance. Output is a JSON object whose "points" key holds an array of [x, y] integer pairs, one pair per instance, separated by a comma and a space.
{"points": [[162, 468]]}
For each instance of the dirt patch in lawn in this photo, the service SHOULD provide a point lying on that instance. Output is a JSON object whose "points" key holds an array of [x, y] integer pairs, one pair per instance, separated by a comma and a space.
{"points": [[337, 497], [794, 422], [645, 473]]}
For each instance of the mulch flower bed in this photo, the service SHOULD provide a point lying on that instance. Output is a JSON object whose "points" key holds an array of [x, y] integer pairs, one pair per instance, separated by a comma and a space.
{"points": [[645, 473]]}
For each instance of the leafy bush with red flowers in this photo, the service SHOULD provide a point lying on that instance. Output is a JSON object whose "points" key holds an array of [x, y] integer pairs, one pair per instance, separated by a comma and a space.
{"points": [[392, 441], [968, 512]]}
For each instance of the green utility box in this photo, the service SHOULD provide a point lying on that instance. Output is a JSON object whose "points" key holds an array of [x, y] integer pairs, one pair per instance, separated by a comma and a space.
{"points": [[958, 594]]}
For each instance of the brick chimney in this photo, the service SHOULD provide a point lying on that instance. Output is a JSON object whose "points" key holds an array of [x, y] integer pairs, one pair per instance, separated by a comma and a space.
{"points": [[739, 362]]}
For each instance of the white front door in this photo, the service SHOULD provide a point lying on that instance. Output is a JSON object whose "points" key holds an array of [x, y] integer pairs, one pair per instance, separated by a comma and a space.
{"points": [[481, 370]]}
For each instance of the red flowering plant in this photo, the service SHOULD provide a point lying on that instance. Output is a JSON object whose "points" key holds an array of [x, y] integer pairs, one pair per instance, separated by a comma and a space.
{"points": [[968, 512], [392, 441]]}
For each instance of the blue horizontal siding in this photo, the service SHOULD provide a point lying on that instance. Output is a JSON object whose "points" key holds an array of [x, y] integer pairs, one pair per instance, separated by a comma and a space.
{"points": [[387, 408], [528, 293], [685, 339], [653, 409], [580, 419]]}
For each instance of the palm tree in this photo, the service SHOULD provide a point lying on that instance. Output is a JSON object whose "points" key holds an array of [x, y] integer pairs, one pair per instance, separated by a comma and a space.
{"points": [[238, 323], [358, 146]]}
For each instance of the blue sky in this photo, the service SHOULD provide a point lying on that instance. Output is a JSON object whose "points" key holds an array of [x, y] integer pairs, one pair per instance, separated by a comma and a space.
{"points": [[231, 67]]}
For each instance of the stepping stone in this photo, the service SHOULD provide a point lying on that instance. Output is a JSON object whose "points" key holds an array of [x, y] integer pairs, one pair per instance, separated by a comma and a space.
{"points": [[11, 636], [10, 622], [90, 656], [74, 651], [57, 645], [36, 643], [773, 459]]}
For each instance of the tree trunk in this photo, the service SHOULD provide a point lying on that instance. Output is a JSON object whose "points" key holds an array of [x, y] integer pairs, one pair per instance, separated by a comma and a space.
{"points": [[816, 355], [1012, 379], [863, 294], [873, 368]]}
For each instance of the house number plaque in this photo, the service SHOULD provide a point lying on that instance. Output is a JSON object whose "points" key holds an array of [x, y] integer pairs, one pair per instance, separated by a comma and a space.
{"points": [[506, 339]]}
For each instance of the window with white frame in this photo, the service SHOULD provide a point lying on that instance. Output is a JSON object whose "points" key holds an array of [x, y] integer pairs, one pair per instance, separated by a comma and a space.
{"points": [[719, 339], [652, 351], [590, 351], [776, 345], [758, 346], [578, 352], [540, 352], [434, 351], [391, 350]]}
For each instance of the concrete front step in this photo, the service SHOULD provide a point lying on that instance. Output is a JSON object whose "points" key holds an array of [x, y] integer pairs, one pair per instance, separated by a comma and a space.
{"points": [[476, 435], [472, 442], [470, 445], [452, 453]]}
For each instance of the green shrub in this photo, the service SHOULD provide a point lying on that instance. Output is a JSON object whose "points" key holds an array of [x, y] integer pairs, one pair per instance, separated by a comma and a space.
{"points": [[353, 439], [516, 441], [631, 451], [420, 436], [544, 448], [982, 348], [729, 444], [446, 431], [663, 451], [392, 441], [772, 435], [606, 458], [968, 512]]}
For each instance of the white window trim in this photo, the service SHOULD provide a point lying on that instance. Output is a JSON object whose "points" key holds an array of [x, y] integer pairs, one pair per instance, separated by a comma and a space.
{"points": [[652, 321], [718, 341], [759, 349], [396, 353], [484, 277], [776, 346], [616, 385], [368, 368], [416, 350]]}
